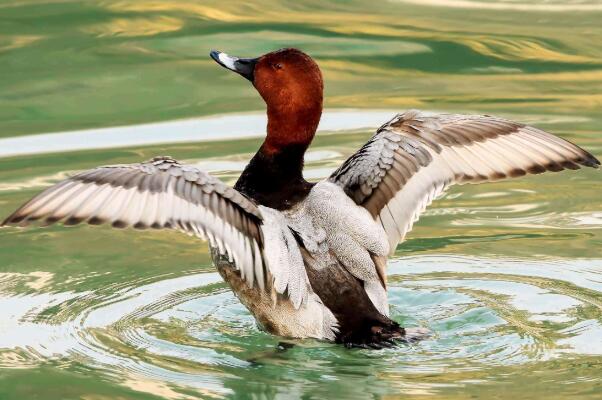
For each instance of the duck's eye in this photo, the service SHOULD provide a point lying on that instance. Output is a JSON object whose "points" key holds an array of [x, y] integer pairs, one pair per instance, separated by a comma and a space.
{"points": [[278, 66]]}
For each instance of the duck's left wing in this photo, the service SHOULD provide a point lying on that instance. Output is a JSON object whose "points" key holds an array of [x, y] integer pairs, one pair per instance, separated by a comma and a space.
{"points": [[414, 157], [160, 193]]}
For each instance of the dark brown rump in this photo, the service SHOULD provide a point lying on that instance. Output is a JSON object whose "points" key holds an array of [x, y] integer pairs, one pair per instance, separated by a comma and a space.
{"points": [[360, 323]]}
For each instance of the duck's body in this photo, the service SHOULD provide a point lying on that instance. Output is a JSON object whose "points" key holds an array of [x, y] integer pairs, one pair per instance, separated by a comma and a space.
{"points": [[309, 259], [325, 247]]}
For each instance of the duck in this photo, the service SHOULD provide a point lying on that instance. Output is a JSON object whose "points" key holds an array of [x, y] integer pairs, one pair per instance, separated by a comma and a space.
{"points": [[308, 259]]}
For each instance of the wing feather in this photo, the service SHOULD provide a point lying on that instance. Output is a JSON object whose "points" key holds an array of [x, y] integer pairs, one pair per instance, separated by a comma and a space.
{"points": [[414, 157], [160, 193]]}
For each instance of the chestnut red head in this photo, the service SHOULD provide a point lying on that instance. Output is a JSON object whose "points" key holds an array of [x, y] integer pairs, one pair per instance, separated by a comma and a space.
{"points": [[291, 85]]}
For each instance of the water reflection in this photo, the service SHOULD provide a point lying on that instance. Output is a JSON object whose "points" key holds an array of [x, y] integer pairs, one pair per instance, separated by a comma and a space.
{"points": [[225, 127]]}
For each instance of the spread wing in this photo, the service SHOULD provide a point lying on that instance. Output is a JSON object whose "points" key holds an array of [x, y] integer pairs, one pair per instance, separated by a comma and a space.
{"points": [[160, 193], [416, 156]]}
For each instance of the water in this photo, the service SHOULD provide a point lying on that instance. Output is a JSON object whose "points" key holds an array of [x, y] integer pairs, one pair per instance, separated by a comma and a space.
{"points": [[507, 275]]}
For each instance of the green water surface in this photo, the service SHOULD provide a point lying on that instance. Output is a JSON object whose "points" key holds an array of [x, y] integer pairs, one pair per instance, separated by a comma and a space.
{"points": [[508, 276]]}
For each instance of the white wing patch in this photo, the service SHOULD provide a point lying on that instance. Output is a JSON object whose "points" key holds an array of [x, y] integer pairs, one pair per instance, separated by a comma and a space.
{"points": [[283, 257], [404, 209]]}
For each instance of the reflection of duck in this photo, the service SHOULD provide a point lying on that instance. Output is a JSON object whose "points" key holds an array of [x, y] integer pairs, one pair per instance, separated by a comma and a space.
{"points": [[309, 260]]}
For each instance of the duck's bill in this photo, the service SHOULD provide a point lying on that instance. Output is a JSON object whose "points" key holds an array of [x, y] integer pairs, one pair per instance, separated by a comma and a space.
{"points": [[242, 66]]}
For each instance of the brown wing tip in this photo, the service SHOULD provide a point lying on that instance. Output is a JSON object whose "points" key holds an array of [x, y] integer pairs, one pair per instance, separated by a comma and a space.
{"points": [[14, 219], [119, 224], [23, 220], [96, 221], [71, 221], [140, 226], [590, 161], [8, 221]]}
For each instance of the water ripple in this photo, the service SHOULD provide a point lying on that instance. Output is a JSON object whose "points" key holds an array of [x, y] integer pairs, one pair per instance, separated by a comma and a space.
{"points": [[485, 313]]}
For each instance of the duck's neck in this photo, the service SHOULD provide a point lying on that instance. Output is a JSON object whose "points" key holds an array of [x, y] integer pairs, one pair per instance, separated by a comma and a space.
{"points": [[274, 176], [291, 126]]}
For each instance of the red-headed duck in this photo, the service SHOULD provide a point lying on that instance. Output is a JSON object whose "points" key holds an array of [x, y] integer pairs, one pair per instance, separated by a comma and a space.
{"points": [[309, 259]]}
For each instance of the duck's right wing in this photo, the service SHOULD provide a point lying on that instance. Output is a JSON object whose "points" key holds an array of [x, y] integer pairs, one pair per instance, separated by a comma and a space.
{"points": [[415, 156], [160, 193]]}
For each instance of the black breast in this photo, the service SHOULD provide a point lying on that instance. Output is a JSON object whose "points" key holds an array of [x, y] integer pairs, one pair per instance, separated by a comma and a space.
{"points": [[275, 180]]}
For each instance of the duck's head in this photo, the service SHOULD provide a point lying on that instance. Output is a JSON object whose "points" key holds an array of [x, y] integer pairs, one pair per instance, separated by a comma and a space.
{"points": [[291, 85]]}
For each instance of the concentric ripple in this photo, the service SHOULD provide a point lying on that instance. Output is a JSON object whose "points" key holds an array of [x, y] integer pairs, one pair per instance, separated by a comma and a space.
{"points": [[487, 315]]}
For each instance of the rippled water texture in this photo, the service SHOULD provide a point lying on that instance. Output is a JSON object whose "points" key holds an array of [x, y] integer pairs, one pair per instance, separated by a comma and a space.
{"points": [[508, 276]]}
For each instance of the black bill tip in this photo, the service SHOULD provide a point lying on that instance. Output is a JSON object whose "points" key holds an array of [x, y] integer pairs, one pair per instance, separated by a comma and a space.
{"points": [[215, 55], [242, 66]]}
